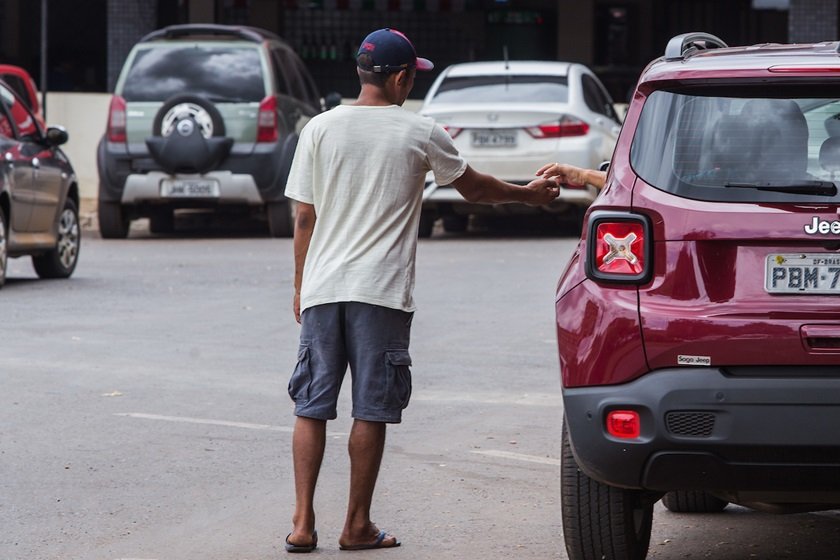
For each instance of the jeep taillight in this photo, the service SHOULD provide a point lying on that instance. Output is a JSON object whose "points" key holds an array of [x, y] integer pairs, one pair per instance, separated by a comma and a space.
{"points": [[624, 424], [564, 127], [619, 247], [116, 120], [267, 120]]}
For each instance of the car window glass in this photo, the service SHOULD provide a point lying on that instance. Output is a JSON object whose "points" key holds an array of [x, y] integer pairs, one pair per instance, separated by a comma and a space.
{"points": [[296, 85], [280, 78], [220, 73], [308, 83], [503, 89], [18, 85], [22, 117], [596, 98], [699, 146]]}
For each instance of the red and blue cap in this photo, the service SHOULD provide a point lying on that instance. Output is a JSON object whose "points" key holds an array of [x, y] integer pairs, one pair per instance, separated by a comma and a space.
{"points": [[388, 50]]}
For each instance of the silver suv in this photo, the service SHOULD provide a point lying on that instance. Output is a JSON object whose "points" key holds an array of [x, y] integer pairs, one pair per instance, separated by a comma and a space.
{"points": [[203, 116]]}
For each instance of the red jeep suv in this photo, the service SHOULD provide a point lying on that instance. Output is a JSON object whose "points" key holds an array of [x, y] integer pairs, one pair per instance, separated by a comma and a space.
{"points": [[698, 320]]}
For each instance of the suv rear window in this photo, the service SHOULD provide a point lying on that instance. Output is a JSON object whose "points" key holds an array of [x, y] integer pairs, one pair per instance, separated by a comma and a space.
{"points": [[503, 89], [739, 145], [159, 72]]}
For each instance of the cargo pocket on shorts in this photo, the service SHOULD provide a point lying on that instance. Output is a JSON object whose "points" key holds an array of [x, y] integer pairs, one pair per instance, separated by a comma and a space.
{"points": [[301, 378], [398, 382]]}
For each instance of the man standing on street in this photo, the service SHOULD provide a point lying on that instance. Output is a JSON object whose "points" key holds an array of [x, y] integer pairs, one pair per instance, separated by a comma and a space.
{"points": [[358, 177]]}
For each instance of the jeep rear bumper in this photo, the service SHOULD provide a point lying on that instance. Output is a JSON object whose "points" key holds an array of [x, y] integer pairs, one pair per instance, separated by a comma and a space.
{"points": [[759, 430]]}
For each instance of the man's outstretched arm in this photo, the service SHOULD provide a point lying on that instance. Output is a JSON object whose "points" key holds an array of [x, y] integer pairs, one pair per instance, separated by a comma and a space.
{"points": [[486, 189]]}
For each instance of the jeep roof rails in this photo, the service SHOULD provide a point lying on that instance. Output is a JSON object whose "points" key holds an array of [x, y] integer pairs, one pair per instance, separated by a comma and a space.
{"points": [[191, 29], [683, 46]]}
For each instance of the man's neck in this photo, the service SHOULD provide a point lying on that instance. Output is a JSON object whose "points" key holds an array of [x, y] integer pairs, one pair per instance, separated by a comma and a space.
{"points": [[373, 96]]}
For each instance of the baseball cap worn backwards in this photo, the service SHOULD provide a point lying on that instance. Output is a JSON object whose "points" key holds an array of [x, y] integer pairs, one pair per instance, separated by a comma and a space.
{"points": [[388, 50]]}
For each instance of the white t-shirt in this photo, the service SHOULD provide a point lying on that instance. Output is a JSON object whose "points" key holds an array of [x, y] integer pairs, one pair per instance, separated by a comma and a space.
{"points": [[364, 169]]}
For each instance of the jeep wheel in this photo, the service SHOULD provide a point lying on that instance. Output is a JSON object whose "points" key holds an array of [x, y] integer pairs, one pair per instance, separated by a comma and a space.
{"points": [[113, 223], [60, 262], [693, 501], [4, 254], [281, 221], [601, 521], [179, 107]]}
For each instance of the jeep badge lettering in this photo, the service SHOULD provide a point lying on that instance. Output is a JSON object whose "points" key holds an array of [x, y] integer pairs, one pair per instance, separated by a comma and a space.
{"points": [[822, 227]]}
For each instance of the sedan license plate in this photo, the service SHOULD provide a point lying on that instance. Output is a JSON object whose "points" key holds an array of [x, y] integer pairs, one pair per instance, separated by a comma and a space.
{"points": [[494, 138], [802, 274], [189, 188]]}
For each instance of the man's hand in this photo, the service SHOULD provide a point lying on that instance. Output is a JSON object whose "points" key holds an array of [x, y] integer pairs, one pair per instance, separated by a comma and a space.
{"points": [[542, 191], [572, 176]]}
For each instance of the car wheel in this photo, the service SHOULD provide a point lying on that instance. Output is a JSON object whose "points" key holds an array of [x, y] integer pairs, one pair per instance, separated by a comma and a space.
{"points": [[455, 223], [693, 501], [4, 253], [113, 223], [60, 262], [601, 521], [280, 218], [162, 221], [427, 224], [182, 106]]}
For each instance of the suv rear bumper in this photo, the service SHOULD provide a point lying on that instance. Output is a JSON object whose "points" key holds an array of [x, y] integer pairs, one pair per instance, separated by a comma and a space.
{"points": [[234, 188], [705, 429]]}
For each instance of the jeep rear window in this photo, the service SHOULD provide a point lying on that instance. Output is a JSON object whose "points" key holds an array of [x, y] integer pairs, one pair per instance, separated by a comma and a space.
{"points": [[220, 73], [503, 89], [718, 146]]}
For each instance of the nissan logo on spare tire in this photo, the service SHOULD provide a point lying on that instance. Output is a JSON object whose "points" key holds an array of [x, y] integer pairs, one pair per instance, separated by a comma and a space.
{"points": [[185, 127]]}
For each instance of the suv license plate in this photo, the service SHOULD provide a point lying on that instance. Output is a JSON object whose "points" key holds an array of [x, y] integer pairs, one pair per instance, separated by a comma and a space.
{"points": [[802, 274], [189, 188], [494, 138]]}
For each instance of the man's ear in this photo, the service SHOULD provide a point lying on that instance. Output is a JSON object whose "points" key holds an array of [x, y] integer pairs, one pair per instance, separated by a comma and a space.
{"points": [[401, 77]]}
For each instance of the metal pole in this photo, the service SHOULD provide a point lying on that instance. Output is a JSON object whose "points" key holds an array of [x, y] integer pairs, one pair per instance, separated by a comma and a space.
{"points": [[44, 59]]}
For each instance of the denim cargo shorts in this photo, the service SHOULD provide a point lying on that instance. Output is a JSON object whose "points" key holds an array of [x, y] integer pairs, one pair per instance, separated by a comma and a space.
{"points": [[373, 341]]}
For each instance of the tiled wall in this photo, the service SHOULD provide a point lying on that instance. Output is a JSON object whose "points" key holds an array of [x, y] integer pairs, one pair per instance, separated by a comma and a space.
{"points": [[812, 21]]}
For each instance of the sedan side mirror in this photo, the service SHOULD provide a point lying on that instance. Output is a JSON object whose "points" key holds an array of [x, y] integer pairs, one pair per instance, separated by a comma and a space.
{"points": [[56, 136]]}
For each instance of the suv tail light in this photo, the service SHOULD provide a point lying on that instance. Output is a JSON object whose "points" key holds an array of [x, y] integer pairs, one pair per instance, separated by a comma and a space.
{"points": [[267, 120], [453, 131], [566, 126], [116, 120], [619, 247], [624, 424]]}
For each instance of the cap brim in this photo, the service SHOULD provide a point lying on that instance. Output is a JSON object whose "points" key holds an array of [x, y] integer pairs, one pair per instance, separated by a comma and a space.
{"points": [[424, 64]]}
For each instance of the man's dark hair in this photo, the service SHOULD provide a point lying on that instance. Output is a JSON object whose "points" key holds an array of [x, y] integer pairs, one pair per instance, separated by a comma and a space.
{"points": [[377, 79]]}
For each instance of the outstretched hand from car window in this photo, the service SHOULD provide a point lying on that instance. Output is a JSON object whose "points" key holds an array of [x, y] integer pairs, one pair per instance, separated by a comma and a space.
{"points": [[572, 176]]}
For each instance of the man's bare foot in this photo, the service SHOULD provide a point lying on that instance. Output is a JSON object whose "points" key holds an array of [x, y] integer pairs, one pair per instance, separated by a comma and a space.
{"points": [[372, 537]]}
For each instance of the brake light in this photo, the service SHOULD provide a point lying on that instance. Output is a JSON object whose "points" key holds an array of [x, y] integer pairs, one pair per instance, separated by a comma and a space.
{"points": [[624, 424], [116, 120], [619, 247], [804, 69], [566, 126], [453, 131], [267, 120]]}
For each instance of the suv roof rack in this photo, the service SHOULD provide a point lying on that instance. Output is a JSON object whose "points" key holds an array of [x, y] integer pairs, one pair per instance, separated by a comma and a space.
{"points": [[682, 46], [253, 34]]}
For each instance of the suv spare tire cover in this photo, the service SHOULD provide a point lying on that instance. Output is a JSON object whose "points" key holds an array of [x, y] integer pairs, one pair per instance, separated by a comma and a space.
{"points": [[216, 120]]}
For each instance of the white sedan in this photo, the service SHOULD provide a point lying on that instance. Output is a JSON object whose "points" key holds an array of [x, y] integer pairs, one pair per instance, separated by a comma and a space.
{"points": [[508, 119]]}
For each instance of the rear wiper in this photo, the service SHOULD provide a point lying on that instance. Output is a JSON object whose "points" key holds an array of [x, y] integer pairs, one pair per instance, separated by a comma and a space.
{"points": [[820, 188]]}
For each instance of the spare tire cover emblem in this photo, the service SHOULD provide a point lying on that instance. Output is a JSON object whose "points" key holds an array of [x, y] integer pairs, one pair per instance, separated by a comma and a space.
{"points": [[185, 127]]}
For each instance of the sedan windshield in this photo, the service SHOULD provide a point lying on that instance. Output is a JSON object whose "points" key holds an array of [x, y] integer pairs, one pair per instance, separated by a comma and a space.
{"points": [[732, 145], [503, 89], [215, 72]]}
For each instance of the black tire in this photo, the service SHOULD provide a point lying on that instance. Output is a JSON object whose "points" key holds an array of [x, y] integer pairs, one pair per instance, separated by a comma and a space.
{"points": [[162, 221], [113, 223], [601, 521], [280, 218], [693, 501], [60, 262], [427, 224], [4, 253], [214, 114], [455, 223]]}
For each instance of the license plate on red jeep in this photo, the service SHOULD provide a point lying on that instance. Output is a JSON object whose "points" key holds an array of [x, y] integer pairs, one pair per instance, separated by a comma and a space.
{"points": [[802, 274]]}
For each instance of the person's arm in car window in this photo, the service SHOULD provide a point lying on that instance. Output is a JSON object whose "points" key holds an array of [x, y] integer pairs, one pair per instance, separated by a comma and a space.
{"points": [[573, 176]]}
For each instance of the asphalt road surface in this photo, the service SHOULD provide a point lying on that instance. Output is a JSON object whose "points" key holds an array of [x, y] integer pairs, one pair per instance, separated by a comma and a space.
{"points": [[144, 414]]}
